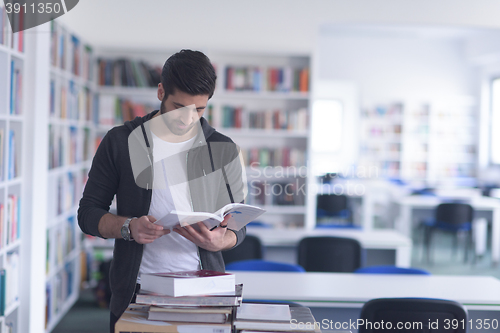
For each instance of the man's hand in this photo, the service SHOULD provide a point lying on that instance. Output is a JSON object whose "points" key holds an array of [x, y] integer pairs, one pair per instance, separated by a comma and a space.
{"points": [[216, 240], [144, 231]]}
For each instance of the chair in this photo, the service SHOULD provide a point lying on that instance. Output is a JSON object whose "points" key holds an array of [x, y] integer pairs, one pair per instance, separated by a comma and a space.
{"points": [[263, 266], [450, 217], [250, 248], [330, 206], [329, 254], [417, 314], [391, 270]]}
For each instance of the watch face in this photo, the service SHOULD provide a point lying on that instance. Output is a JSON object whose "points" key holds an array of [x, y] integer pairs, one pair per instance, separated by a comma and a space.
{"points": [[125, 232]]}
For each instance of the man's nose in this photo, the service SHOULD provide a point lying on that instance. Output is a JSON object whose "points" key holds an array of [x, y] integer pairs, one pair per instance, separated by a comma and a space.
{"points": [[187, 117]]}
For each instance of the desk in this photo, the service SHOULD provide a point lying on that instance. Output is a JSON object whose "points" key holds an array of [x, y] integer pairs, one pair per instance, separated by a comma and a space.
{"points": [[407, 204], [375, 239], [331, 294]]}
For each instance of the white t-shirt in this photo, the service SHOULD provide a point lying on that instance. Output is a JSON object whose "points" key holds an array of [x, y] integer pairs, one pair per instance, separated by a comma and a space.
{"points": [[171, 252]]}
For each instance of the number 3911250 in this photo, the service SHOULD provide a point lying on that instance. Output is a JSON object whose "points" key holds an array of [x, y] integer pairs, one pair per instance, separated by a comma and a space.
{"points": [[40, 8]]}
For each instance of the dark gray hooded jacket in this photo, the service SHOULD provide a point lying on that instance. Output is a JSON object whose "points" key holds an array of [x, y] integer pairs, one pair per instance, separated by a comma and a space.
{"points": [[122, 167]]}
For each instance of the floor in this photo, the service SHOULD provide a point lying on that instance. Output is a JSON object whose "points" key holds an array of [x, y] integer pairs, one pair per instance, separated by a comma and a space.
{"points": [[86, 316]]}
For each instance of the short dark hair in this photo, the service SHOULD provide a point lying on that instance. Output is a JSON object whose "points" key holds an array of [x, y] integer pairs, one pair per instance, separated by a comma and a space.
{"points": [[190, 72]]}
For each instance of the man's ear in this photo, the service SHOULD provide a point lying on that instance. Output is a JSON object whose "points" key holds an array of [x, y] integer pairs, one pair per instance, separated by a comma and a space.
{"points": [[161, 92]]}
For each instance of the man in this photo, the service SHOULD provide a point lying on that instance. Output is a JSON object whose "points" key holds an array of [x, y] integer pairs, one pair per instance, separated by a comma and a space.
{"points": [[170, 159]]}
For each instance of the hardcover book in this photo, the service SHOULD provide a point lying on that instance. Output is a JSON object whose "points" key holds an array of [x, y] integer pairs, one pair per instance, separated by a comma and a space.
{"points": [[222, 299], [216, 315], [202, 282], [135, 319]]}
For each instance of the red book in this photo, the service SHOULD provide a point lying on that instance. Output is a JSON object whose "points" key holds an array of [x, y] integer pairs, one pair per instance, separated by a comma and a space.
{"points": [[304, 80]]}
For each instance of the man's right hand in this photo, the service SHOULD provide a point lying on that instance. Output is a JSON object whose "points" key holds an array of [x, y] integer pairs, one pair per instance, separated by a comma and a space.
{"points": [[144, 231]]}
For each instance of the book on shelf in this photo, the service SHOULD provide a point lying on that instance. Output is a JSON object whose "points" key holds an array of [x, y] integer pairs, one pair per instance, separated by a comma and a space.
{"points": [[273, 157], [186, 283], [216, 315], [4, 25], [298, 315], [10, 39], [53, 43], [75, 55], [241, 215], [113, 110], [135, 319], [48, 304], [16, 95], [61, 52], [87, 63], [11, 228], [2, 291], [277, 119], [12, 165], [12, 278], [127, 73], [257, 79], [221, 299]]}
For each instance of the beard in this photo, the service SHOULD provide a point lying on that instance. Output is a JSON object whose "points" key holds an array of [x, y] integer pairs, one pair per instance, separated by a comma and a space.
{"points": [[172, 124]]}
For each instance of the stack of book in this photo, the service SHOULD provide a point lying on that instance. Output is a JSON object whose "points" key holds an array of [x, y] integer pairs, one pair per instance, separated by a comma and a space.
{"points": [[205, 301], [195, 301]]}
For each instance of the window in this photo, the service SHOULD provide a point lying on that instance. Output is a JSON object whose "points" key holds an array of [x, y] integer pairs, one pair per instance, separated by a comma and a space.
{"points": [[495, 121], [326, 129]]}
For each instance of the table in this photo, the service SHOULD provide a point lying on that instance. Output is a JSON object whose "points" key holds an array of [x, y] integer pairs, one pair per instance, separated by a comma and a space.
{"points": [[340, 296], [480, 203], [374, 239]]}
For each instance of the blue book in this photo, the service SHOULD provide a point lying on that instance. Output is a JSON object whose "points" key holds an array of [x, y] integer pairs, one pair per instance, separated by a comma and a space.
{"points": [[12, 155]]}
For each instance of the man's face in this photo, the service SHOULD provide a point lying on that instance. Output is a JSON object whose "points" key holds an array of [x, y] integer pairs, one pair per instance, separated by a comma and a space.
{"points": [[180, 111]]}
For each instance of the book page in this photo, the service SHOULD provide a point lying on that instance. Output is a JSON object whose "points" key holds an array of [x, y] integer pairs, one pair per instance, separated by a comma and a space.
{"points": [[183, 219], [241, 214]]}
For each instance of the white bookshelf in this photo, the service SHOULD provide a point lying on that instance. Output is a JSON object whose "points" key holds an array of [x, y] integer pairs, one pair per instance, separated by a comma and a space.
{"points": [[69, 151], [264, 100], [12, 171], [437, 141]]}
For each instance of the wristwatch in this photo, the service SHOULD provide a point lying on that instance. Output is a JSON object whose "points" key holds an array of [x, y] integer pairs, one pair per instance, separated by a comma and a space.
{"points": [[125, 230]]}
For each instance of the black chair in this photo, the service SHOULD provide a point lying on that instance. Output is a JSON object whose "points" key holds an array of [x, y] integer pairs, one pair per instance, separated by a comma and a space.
{"points": [[415, 314], [250, 248], [329, 254], [452, 218], [333, 207]]}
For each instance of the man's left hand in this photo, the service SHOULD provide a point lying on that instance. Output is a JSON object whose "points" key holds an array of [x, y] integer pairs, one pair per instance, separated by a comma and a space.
{"points": [[216, 240]]}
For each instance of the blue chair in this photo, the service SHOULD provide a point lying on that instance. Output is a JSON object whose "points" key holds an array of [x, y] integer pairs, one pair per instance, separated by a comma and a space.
{"points": [[418, 313], [263, 266], [452, 217], [338, 226], [391, 270]]}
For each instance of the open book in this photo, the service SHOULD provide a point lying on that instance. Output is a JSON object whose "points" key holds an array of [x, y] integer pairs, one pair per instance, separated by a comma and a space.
{"points": [[241, 215]]}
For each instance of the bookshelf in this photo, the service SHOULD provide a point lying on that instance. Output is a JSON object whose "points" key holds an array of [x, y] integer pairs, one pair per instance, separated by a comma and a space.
{"points": [[262, 103], [71, 133], [12, 131], [420, 141]]}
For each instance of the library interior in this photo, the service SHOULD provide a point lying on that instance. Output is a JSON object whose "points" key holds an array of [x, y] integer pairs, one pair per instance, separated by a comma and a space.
{"points": [[368, 131]]}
